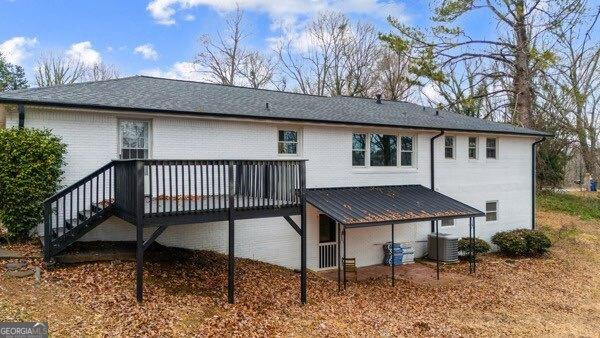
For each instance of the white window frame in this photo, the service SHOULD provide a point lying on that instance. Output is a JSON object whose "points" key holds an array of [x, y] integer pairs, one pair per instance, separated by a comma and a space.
{"points": [[412, 151], [453, 138], [120, 135], [369, 168], [451, 220], [364, 150], [476, 148], [495, 148], [492, 211], [298, 142]]}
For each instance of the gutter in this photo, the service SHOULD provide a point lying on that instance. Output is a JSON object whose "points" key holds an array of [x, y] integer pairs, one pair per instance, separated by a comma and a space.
{"points": [[432, 167], [533, 180]]}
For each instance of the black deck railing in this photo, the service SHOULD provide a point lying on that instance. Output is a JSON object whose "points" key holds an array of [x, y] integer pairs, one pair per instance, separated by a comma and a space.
{"points": [[156, 192]]}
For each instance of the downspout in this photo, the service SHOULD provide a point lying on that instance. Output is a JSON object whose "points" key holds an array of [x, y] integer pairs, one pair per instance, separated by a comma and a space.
{"points": [[432, 167], [21, 109], [533, 180]]}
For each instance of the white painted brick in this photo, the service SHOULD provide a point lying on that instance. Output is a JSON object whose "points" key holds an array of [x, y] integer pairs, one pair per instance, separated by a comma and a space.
{"points": [[92, 142]]}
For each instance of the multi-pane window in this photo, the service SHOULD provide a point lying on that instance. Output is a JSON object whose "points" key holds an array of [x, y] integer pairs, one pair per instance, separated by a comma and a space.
{"points": [[447, 222], [449, 147], [406, 151], [491, 211], [288, 142], [491, 147], [473, 148], [383, 150], [359, 148], [134, 137]]}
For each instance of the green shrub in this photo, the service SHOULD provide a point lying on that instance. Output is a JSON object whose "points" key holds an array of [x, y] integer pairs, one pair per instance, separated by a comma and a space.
{"points": [[481, 246], [31, 163], [522, 242]]}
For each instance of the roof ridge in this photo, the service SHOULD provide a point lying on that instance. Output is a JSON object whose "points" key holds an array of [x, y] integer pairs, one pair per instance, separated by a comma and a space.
{"points": [[22, 90]]}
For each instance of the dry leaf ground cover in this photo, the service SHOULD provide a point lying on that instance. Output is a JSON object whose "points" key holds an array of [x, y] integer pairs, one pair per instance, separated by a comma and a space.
{"points": [[185, 294]]}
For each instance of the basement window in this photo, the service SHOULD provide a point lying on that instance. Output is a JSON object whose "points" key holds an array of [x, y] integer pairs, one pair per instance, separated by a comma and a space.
{"points": [[491, 211]]}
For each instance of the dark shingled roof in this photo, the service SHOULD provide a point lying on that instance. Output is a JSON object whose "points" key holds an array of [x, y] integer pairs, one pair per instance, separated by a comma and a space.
{"points": [[379, 205], [150, 94]]}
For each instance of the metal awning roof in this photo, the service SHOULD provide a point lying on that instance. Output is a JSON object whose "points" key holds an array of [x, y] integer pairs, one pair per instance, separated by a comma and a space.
{"points": [[378, 205]]}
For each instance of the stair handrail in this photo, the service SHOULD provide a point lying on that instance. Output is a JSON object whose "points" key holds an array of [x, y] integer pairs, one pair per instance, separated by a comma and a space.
{"points": [[74, 185]]}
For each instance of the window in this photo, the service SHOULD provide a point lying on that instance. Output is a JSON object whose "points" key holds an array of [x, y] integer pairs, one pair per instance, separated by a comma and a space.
{"points": [[491, 148], [359, 147], [406, 151], [288, 142], [473, 148], [134, 139], [326, 229], [447, 222], [384, 149], [449, 147], [491, 211]]}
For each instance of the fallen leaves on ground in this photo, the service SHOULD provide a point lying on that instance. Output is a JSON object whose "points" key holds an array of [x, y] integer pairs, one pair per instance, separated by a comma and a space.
{"points": [[185, 293]]}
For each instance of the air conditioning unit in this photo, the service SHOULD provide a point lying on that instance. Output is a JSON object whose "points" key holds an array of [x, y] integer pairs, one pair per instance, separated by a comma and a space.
{"points": [[448, 247]]}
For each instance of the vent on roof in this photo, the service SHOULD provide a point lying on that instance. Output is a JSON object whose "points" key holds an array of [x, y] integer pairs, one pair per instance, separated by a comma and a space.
{"points": [[378, 100], [437, 112], [267, 106]]}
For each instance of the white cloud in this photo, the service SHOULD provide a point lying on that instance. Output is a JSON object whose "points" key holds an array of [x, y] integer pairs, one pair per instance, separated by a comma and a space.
{"points": [[180, 70], [17, 49], [84, 52], [431, 94], [189, 17], [147, 51], [163, 11]]}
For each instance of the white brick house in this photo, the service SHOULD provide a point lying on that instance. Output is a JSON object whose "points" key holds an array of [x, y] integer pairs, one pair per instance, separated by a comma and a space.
{"points": [[483, 164]]}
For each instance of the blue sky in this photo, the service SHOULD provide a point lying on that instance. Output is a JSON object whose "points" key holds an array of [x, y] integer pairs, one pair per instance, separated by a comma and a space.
{"points": [[160, 37]]}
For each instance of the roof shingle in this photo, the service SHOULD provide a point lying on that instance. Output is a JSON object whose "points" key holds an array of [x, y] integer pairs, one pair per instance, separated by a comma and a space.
{"points": [[150, 94]]}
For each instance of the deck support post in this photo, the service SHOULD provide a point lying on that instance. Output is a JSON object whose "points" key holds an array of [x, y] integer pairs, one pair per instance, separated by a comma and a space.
{"points": [[303, 234], [393, 257], [437, 248], [231, 252], [339, 257], [139, 218]]}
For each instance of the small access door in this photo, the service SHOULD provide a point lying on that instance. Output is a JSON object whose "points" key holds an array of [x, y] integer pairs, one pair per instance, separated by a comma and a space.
{"points": [[328, 246]]}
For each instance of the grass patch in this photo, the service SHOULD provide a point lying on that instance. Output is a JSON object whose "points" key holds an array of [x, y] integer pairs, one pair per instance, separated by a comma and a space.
{"points": [[585, 207]]}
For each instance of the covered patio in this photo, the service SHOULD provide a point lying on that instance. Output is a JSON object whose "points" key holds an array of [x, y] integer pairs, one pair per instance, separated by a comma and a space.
{"points": [[376, 206]]}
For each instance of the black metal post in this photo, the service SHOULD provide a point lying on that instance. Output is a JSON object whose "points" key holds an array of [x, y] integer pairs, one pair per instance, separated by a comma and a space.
{"points": [[471, 245], [474, 253], [231, 264], [339, 257], [21, 109], [437, 248], [139, 217], [344, 259], [47, 232], [303, 235], [393, 257]]}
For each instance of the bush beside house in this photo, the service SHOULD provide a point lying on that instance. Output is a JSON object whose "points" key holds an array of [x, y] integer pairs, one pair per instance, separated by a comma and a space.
{"points": [[522, 242], [464, 246], [31, 163]]}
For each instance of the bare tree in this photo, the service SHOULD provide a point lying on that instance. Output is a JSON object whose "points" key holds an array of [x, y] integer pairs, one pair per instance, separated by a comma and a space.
{"points": [[55, 69], [101, 71], [572, 89], [331, 56], [517, 55], [394, 80], [257, 69], [222, 56]]}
